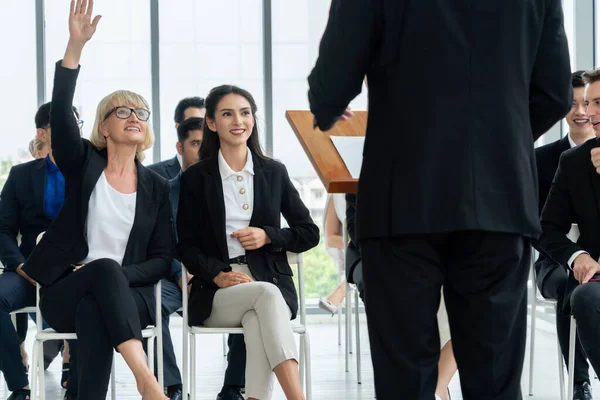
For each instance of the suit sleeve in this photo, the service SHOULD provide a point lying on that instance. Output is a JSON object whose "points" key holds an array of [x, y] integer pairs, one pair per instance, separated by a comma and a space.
{"points": [[302, 234], [10, 217], [67, 144], [159, 249], [557, 217], [551, 94], [189, 225], [345, 54]]}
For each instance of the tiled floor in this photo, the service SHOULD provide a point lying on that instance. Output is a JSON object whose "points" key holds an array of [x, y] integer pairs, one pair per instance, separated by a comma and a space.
{"points": [[329, 379]]}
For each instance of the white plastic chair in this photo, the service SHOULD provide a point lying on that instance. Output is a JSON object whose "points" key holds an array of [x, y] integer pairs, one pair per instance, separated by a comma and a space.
{"points": [[189, 333], [151, 333], [572, 336]]}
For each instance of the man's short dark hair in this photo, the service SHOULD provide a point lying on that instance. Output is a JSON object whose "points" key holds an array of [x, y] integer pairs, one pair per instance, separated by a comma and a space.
{"points": [[42, 116], [190, 124], [577, 79], [196, 102], [591, 76]]}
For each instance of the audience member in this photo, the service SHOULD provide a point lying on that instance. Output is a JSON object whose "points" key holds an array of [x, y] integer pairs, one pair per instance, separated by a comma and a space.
{"points": [[230, 238], [112, 241]]}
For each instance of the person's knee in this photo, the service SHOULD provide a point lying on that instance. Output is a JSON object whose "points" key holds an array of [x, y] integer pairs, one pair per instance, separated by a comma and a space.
{"points": [[105, 269], [584, 299], [270, 292]]}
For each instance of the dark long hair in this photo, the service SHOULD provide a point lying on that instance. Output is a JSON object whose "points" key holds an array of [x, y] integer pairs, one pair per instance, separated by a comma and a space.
{"points": [[210, 141]]}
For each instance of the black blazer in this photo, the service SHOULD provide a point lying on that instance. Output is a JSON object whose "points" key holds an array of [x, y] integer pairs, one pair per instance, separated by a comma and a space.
{"points": [[547, 157], [168, 169], [149, 250], [458, 92], [574, 198], [202, 246], [22, 212]]}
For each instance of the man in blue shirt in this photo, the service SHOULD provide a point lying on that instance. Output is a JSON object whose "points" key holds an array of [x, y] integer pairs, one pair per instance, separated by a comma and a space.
{"points": [[31, 198]]}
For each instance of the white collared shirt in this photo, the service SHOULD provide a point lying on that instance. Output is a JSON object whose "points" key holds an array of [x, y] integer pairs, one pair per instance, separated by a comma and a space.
{"points": [[238, 196]]}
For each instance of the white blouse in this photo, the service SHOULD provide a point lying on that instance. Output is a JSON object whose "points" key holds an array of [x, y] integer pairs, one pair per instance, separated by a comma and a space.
{"points": [[109, 222], [238, 195]]}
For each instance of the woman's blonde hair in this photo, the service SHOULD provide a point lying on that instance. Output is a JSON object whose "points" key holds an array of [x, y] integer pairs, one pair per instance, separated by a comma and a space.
{"points": [[115, 99], [37, 148]]}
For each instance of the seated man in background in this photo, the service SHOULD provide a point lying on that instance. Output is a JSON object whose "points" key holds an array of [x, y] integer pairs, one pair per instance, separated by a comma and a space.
{"points": [[31, 198], [573, 199], [190, 107], [551, 279]]}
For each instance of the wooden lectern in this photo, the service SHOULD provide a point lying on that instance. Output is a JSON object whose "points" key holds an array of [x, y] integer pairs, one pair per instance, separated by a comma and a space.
{"points": [[322, 153]]}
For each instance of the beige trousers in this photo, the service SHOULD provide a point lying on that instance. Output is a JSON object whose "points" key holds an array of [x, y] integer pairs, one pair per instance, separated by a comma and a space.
{"points": [[259, 308]]}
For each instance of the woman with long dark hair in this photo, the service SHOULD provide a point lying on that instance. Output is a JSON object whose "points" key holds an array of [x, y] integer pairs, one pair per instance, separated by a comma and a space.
{"points": [[231, 240]]}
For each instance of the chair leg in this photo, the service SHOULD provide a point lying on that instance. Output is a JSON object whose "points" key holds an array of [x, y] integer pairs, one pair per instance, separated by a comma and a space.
{"points": [[357, 330], [339, 318], [301, 362], [350, 337], [307, 365], [150, 345], [34, 371], [224, 345], [533, 295], [160, 361], [193, 366], [113, 383], [572, 337], [41, 372], [347, 329], [561, 370], [186, 354]]}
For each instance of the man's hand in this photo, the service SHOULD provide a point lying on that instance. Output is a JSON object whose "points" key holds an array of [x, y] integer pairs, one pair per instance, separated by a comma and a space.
{"points": [[189, 279], [347, 114], [226, 279], [596, 159], [584, 268], [251, 238], [24, 275]]}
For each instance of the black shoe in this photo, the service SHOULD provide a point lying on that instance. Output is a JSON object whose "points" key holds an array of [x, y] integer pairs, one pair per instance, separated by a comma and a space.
{"points": [[70, 396], [175, 394], [582, 392], [229, 393], [21, 394]]}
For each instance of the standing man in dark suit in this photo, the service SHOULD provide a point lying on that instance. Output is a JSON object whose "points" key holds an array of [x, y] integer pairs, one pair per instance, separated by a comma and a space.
{"points": [[190, 107], [458, 93], [574, 198], [31, 198], [551, 279]]}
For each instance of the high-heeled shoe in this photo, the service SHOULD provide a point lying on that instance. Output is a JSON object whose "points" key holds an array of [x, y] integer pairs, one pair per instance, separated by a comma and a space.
{"points": [[326, 305]]}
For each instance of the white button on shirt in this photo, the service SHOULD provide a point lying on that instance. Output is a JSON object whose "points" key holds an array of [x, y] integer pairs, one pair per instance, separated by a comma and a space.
{"points": [[238, 195]]}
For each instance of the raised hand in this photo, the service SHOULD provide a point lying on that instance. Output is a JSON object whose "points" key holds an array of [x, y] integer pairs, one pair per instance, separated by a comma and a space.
{"points": [[81, 26], [81, 29]]}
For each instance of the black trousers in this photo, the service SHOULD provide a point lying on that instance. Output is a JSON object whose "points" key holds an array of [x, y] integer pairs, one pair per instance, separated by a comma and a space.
{"points": [[235, 374], [484, 275], [553, 287], [97, 303], [584, 305]]}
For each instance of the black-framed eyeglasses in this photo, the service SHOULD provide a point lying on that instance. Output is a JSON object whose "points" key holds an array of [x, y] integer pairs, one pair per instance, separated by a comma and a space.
{"points": [[123, 112], [80, 123]]}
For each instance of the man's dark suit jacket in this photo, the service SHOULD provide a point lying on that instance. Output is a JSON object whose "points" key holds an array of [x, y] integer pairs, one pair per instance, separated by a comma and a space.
{"points": [[149, 250], [22, 212], [452, 118], [202, 243], [547, 162], [168, 169], [574, 198]]}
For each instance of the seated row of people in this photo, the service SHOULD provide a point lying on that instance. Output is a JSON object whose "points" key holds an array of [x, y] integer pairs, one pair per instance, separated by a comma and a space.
{"points": [[113, 238]]}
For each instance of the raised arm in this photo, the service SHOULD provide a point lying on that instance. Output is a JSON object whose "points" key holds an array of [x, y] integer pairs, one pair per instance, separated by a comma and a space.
{"points": [[67, 145]]}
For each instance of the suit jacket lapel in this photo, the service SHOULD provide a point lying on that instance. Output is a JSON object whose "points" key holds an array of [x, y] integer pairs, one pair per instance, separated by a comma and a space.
{"points": [[216, 205], [144, 213], [92, 172], [38, 183], [262, 183], [594, 177]]}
